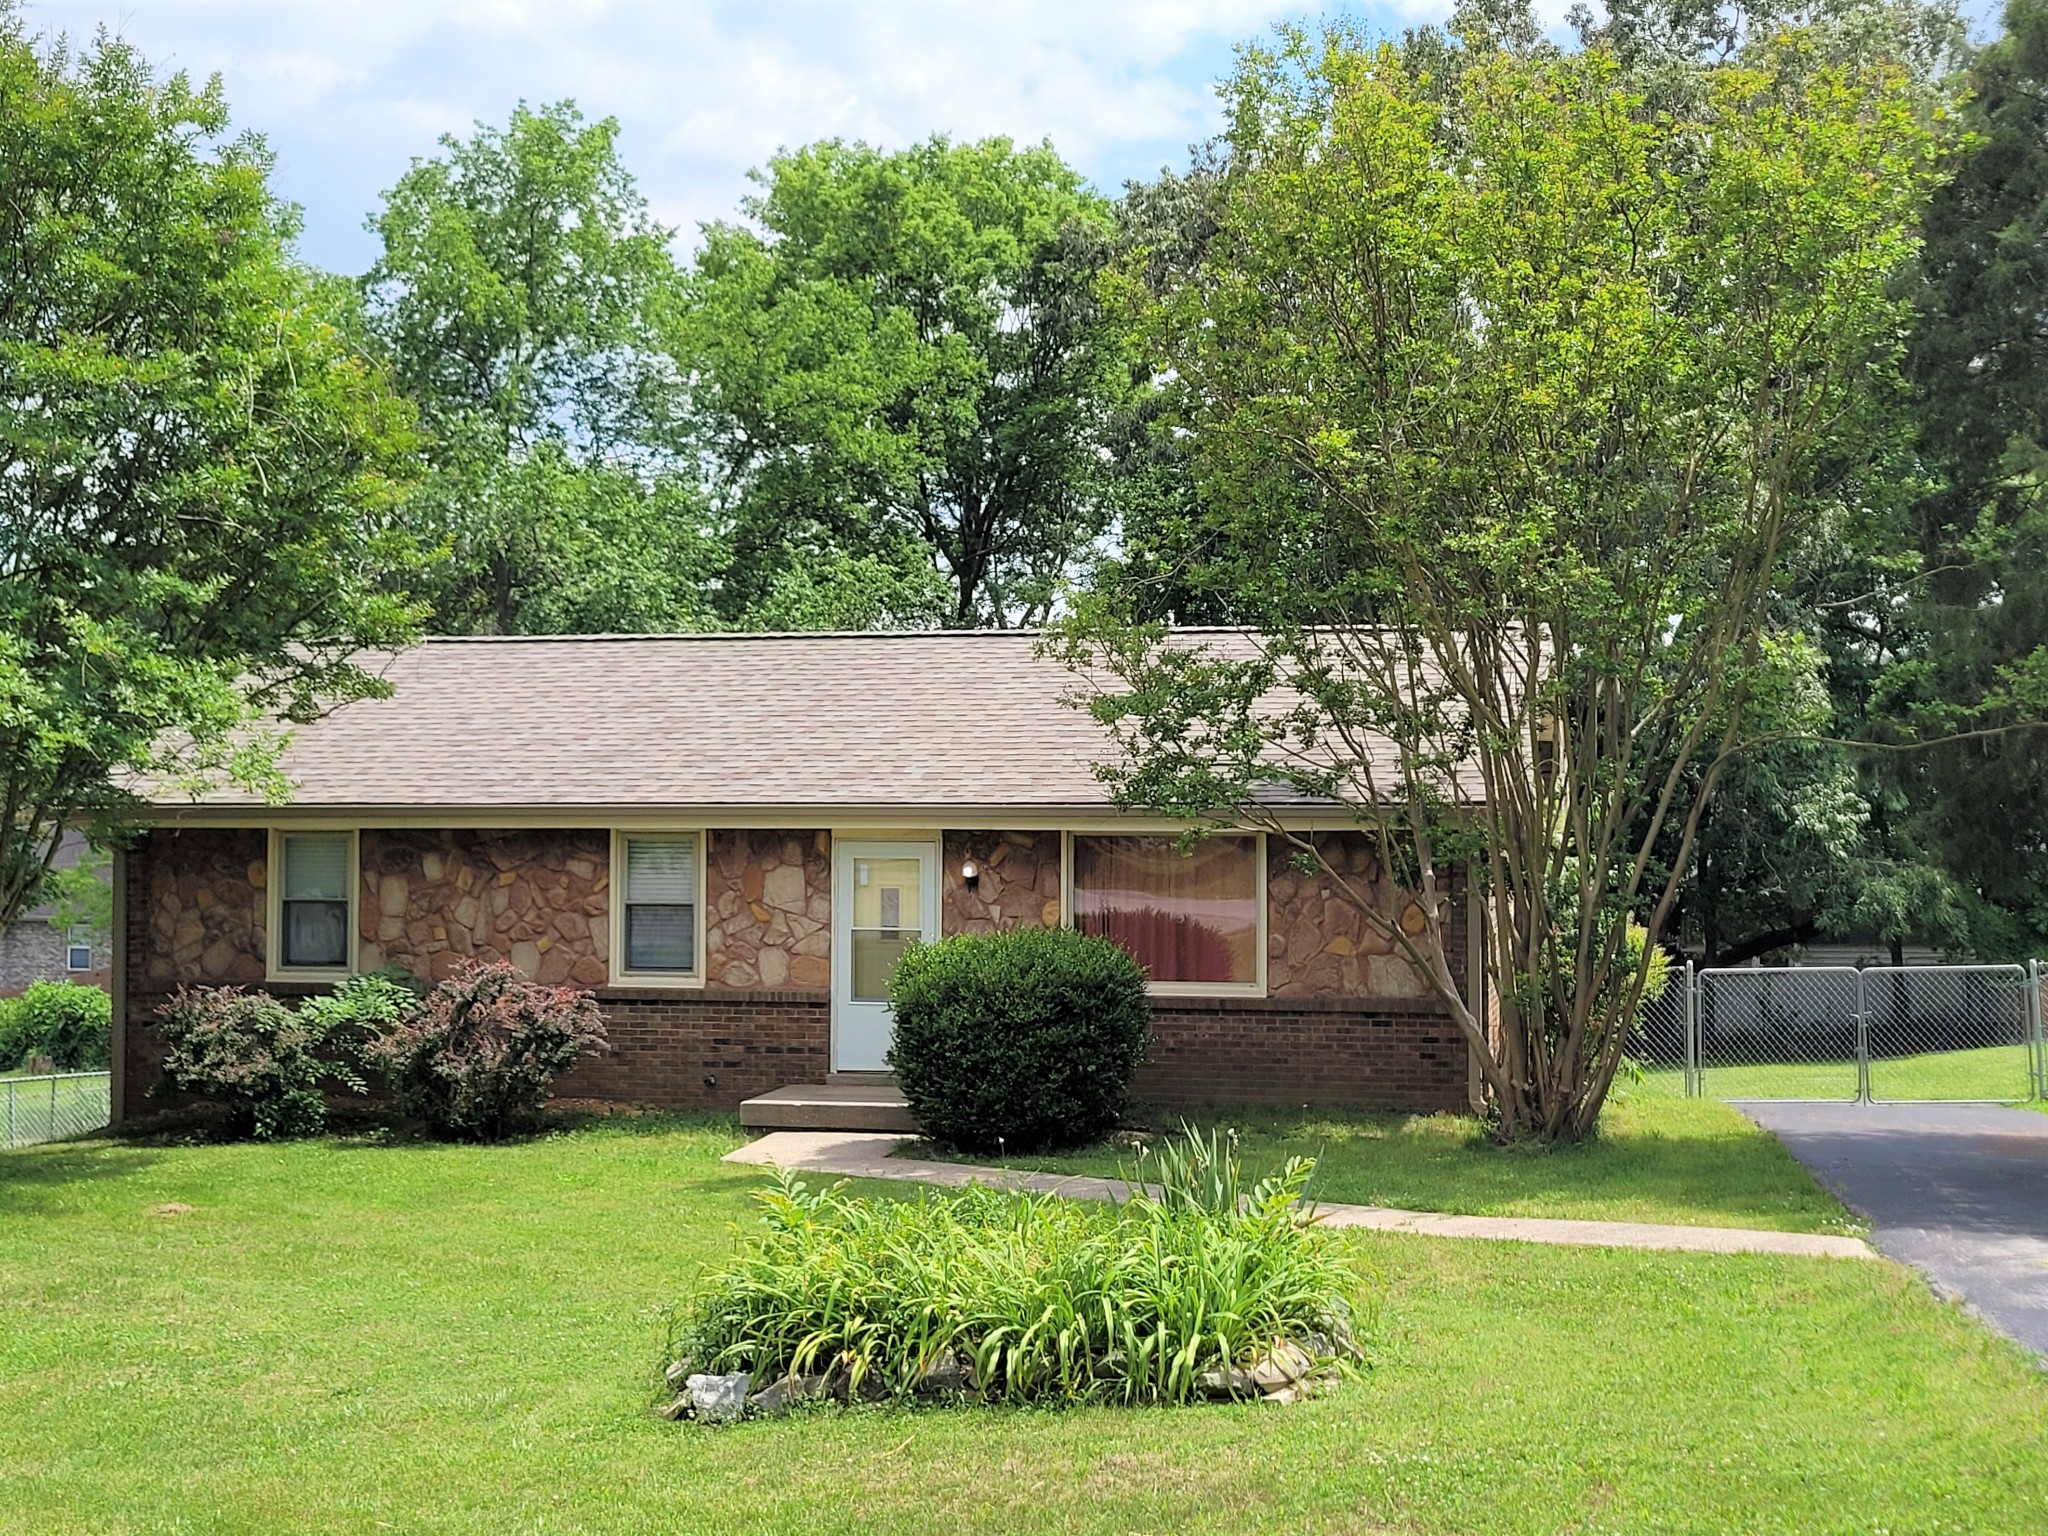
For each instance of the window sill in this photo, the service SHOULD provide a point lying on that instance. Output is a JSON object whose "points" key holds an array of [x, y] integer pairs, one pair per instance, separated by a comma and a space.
{"points": [[654, 981], [310, 974], [1204, 989]]}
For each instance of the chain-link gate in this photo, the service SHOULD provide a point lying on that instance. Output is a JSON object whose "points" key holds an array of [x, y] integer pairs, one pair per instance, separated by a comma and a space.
{"points": [[1922, 1032]]}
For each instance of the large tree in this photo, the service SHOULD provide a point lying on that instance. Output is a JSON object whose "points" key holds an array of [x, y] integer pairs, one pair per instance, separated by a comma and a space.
{"points": [[1976, 611], [517, 298], [900, 356], [194, 461], [1510, 391]]}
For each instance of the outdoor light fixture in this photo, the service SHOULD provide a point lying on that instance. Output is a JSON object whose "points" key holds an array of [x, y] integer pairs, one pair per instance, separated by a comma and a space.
{"points": [[970, 872]]}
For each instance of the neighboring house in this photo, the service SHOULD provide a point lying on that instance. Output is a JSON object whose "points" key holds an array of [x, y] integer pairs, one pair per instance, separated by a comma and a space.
{"points": [[730, 839], [38, 948]]}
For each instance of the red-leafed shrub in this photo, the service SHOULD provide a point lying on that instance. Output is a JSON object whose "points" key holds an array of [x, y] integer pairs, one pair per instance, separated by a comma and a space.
{"points": [[252, 1055], [483, 1047]]}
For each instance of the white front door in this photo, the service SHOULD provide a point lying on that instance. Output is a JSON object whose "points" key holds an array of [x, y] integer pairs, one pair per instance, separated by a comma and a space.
{"points": [[885, 898]]}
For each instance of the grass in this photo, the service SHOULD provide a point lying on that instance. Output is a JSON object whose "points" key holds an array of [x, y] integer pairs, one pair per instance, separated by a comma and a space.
{"points": [[1657, 1158], [44, 1108], [1988, 1072], [339, 1336]]}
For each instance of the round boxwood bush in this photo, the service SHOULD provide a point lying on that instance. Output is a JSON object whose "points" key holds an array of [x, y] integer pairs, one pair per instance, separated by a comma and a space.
{"points": [[1023, 1039], [59, 1021]]}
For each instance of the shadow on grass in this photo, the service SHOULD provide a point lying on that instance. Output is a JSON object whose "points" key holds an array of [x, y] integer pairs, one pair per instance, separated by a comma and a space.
{"points": [[52, 1164]]}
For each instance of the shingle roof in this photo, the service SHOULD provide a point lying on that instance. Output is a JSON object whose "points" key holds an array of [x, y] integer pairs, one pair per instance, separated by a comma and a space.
{"points": [[873, 721]]}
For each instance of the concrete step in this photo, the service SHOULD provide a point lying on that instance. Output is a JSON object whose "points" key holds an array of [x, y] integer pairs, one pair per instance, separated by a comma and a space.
{"points": [[835, 1106]]}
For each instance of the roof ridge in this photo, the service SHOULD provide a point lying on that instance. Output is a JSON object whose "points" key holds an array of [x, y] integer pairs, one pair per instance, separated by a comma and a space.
{"points": [[693, 635]]}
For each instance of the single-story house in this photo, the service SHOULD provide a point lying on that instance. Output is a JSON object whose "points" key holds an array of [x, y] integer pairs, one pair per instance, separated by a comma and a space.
{"points": [[729, 839]]}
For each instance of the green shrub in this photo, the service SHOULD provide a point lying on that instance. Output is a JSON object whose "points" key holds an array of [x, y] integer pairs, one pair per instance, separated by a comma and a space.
{"points": [[1026, 1038], [359, 1010], [66, 1023], [1027, 1298], [253, 1055], [483, 1049]]}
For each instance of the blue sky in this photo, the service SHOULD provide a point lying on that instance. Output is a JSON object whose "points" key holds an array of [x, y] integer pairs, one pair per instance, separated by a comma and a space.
{"points": [[346, 93]]}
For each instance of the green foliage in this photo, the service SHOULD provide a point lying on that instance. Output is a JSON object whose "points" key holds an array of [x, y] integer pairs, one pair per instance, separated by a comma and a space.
{"points": [[904, 347], [516, 283], [252, 1054], [1965, 647], [1509, 390], [195, 461], [59, 1021], [347, 1019], [516, 297], [1020, 1039], [541, 544], [1044, 1299], [480, 1052]]}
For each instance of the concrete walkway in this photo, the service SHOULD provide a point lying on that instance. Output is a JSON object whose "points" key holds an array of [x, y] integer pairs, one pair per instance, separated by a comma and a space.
{"points": [[863, 1155], [1958, 1191]]}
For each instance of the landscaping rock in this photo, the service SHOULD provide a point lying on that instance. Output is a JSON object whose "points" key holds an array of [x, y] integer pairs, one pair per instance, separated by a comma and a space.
{"points": [[678, 1409], [948, 1373], [1226, 1381], [778, 1397], [678, 1373], [719, 1399], [1282, 1365], [1294, 1392]]}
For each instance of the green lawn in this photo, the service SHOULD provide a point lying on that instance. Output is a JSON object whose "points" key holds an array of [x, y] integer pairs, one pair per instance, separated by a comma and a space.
{"points": [[349, 1337], [1989, 1072], [1657, 1158], [38, 1108]]}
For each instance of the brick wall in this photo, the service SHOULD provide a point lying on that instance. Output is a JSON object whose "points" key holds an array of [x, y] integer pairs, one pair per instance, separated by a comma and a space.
{"points": [[1266, 1051], [705, 1050]]}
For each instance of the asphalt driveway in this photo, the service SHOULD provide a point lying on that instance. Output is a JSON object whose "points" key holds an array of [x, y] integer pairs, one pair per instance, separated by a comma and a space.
{"points": [[1959, 1191]]}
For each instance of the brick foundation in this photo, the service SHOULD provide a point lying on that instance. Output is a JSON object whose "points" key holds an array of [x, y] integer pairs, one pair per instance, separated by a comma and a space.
{"points": [[705, 1050], [1262, 1051]]}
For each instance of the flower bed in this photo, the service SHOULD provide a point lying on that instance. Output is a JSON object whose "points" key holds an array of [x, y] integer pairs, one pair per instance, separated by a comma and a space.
{"points": [[1195, 1288]]}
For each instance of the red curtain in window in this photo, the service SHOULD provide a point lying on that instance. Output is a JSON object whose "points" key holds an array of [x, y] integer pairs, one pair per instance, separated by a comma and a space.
{"points": [[1184, 917]]}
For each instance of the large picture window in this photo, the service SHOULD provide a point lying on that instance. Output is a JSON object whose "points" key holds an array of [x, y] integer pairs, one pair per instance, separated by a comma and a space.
{"points": [[314, 906], [659, 905], [1188, 918]]}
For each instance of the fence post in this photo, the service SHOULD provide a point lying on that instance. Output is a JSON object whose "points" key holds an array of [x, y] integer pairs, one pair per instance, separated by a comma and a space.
{"points": [[1862, 1035], [2037, 1049], [1691, 1015], [9, 1086]]}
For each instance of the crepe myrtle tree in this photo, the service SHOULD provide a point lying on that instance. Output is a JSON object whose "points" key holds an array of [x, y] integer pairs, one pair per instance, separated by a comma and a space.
{"points": [[197, 468], [1507, 395]]}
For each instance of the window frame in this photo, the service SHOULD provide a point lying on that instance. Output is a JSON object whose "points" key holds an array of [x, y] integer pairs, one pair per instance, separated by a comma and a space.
{"points": [[615, 939], [73, 944], [273, 925], [1256, 987]]}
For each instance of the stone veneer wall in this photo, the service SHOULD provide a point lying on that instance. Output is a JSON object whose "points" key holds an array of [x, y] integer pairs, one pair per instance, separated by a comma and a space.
{"points": [[540, 899], [1019, 885], [770, 919], [202, 905], [1318, 944]]}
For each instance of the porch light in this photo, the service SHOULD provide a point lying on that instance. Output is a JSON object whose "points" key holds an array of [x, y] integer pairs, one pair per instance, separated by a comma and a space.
{"points": [[970, 872]]}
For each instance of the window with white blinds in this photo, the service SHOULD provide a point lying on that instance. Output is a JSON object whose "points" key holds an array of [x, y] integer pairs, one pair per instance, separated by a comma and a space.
{"points": [[315, 905], [660, 905]]}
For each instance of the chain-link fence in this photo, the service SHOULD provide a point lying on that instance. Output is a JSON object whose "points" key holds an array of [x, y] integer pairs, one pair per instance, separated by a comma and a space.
{"points": [[1924, 1032], [51, 1106]]}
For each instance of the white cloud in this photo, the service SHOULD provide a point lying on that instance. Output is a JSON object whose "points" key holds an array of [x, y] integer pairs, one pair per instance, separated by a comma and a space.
{"points": [[348, 90]]}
